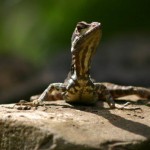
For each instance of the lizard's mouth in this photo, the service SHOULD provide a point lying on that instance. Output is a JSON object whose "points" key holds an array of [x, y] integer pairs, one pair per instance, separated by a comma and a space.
{"points": [[95, 26]]}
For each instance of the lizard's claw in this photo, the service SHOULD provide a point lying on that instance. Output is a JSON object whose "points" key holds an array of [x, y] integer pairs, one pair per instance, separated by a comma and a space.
{"points": [[25, 105], [126, 107], [36, 103]]}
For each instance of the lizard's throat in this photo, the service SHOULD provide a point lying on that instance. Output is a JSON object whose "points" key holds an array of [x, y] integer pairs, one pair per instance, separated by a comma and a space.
{"points": [[81, 61]]}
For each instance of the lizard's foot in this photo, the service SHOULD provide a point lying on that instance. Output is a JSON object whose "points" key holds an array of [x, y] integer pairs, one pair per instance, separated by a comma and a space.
{"points": [[25, 105], [34, 97], [126, 107]]}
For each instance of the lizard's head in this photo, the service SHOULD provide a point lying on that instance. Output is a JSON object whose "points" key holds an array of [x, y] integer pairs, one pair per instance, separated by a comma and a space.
{"points": [[86, 34]]}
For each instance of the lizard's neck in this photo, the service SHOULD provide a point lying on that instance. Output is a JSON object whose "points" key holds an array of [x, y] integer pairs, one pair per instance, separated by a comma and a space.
{"points": [[81, 59]]}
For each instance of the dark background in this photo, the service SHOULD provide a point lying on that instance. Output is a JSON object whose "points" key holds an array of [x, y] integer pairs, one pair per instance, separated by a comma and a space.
{"points": [[35, 43]]}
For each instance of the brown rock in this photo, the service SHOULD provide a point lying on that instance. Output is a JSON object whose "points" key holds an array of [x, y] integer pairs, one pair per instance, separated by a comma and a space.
{"points": [[60, 126]]}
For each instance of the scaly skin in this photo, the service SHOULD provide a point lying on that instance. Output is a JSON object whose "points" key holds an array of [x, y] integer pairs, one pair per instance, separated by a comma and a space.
{"points": [[79, 87]]}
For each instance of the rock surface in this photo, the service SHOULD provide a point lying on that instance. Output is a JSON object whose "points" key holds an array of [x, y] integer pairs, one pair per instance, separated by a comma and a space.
{"points": [[61, 126]]}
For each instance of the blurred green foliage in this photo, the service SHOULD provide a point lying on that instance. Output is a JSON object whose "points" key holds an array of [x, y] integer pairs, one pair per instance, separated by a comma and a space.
{"points": [[37, 29]]}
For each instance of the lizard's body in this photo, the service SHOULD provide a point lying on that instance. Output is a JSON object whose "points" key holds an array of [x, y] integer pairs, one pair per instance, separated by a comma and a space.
{"points": [[79, 87]]}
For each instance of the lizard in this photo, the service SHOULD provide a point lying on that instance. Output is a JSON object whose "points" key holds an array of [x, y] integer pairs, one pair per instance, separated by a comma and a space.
{"points": [[79, 87]]}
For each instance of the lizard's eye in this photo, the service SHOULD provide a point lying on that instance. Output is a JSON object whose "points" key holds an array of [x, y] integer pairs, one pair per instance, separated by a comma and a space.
{"points": [[79, 28], [82, 26]]}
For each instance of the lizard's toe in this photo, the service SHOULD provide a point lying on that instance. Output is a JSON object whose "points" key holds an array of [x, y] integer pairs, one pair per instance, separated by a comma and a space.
{"points": [[126, 107]]}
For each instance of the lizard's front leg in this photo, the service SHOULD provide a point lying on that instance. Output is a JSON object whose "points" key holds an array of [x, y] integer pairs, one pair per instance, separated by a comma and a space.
{"points": [[53, 92], [103, 92]]}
